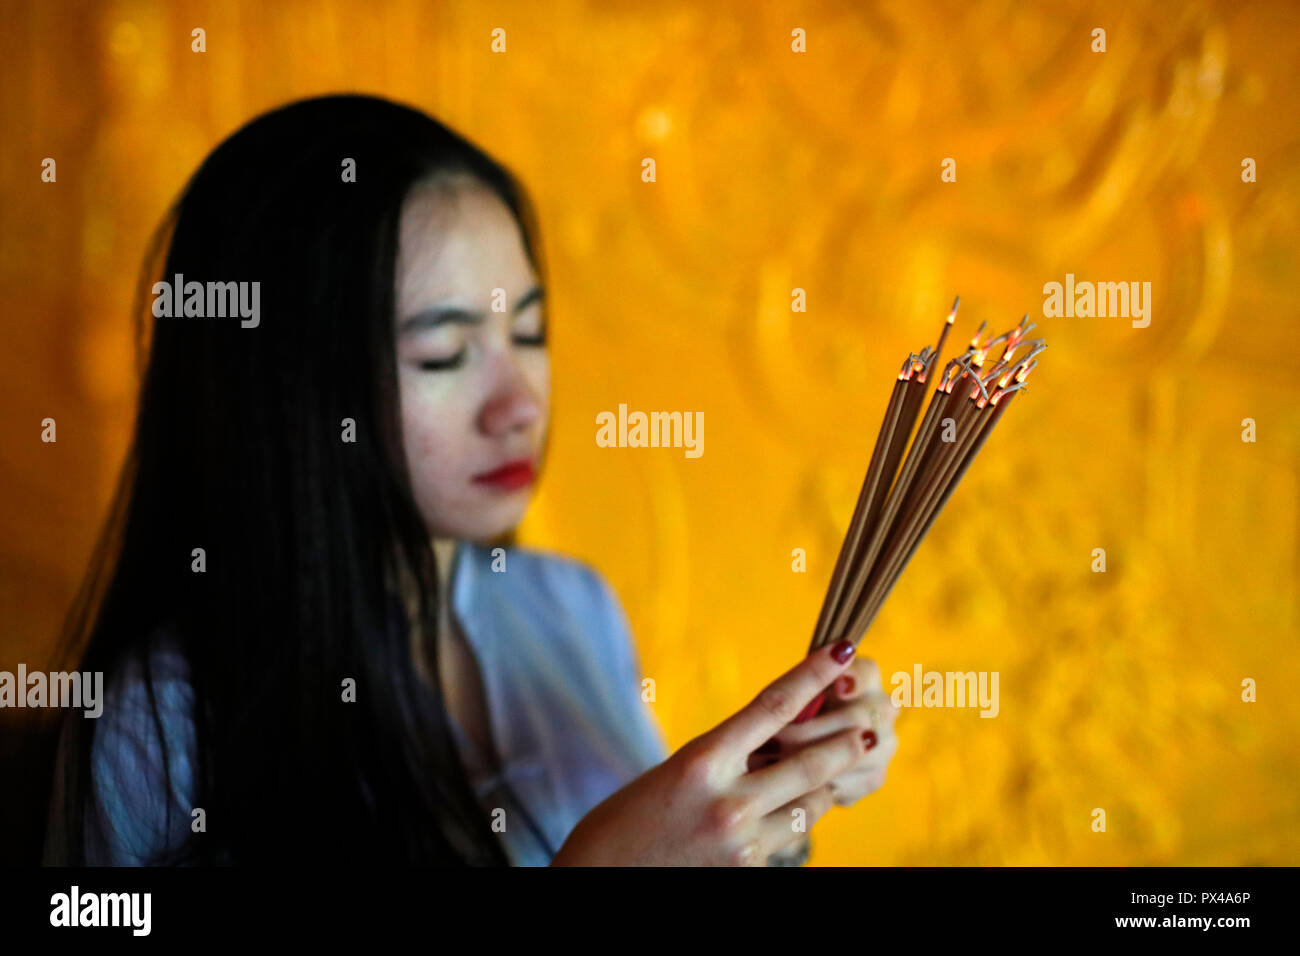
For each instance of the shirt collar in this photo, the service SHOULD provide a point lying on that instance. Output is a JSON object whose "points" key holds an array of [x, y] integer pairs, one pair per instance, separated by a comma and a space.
{"points": [[468, 565]]}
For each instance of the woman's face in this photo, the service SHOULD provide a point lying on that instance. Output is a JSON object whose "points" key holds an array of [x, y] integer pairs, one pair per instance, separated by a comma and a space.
{"points": [[474, 383]]}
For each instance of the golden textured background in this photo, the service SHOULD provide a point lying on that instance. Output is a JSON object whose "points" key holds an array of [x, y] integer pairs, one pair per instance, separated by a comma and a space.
{"points": [[821, 171]]}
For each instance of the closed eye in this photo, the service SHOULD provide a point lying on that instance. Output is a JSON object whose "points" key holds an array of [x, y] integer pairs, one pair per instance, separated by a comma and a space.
{"points": [[439, 365], [457, 360]]}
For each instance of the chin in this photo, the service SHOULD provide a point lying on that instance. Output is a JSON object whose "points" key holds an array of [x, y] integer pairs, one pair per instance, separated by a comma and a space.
{"points": [[488, 524]]}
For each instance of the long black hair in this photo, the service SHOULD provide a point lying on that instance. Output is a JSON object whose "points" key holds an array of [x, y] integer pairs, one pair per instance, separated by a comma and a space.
{"points": [[238, 449]]}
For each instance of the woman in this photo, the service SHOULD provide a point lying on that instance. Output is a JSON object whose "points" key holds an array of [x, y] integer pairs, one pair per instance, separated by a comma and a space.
{"points": [[322, 642]]}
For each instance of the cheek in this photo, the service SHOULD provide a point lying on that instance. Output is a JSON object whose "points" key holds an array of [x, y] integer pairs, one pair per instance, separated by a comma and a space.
{"points": [[434, 432]]}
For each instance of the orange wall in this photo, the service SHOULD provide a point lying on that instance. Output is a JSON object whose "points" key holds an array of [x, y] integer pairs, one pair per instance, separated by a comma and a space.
{"points": [[820, 171]]}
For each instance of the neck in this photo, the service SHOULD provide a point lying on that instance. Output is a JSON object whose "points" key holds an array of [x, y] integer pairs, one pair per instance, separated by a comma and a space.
{"points": [[444, 551]]}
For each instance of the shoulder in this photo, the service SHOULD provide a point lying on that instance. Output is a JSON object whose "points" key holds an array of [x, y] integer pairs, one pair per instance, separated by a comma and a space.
{"points": [[547, 585], [559, 600], [143, 754], [136, 683], [589, 641], [560, 579], [583, 608]]}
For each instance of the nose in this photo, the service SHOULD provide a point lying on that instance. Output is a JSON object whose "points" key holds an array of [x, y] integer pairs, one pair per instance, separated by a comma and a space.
{"points": [[511, 405]]}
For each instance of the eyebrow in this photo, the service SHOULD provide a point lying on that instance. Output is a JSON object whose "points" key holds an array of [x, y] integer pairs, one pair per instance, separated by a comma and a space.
{"points": [[432, 318]]}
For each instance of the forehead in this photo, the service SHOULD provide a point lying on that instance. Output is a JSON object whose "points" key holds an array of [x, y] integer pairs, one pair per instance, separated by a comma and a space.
{"points": [[458, 240]]}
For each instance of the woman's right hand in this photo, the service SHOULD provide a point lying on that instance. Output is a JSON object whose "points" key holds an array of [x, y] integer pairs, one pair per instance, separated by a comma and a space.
{"points": [[703, 807]]}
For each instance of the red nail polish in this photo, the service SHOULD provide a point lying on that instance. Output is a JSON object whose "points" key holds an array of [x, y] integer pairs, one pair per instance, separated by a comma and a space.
{"points": [[868, 739], [842, 651], [846, 686]]}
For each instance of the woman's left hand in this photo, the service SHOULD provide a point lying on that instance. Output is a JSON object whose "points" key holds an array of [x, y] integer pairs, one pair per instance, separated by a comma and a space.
{"points": [[857, 698]]}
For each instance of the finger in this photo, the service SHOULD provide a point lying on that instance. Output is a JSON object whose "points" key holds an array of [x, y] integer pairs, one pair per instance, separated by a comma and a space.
{"points": [[844, 689], [869, 773], [868, 673], [757, 761], [874, 710], [886, 705], [778, 703], [856, 713], [792, 854], [863, 676], [789, 824], [851, 787], [803, 772], [879, 749], [883, 709], [878, 752]]}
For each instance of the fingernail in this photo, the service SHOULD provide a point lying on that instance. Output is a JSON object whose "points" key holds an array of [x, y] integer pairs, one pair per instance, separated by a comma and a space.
{"points": [[771, 747], [846, 685], [868, 739], [842, 651]]}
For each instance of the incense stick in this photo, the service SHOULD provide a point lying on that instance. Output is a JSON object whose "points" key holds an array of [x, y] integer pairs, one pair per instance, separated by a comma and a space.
{"points": [[850, 575], [897, 507], [900, 562], [860, 512]]}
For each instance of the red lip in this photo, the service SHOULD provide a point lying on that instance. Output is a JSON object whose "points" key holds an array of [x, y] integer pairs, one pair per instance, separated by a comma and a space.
{"points": [[511, 475]]}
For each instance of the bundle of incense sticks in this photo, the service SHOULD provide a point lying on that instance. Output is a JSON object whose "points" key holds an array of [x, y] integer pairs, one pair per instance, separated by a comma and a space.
{"points": [[897, 506]]}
